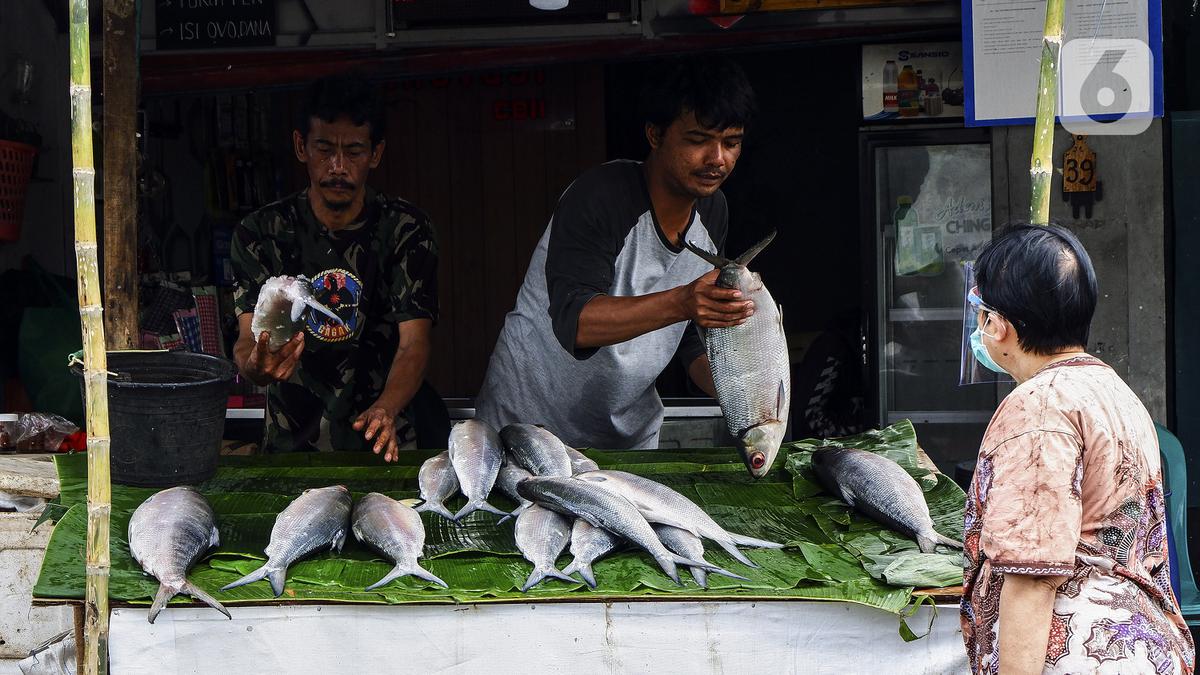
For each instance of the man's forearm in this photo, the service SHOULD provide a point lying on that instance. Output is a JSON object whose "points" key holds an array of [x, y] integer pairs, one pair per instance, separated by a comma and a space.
{"points": [[1026, 609], [608, 320], [701, 374], [404, 378]]}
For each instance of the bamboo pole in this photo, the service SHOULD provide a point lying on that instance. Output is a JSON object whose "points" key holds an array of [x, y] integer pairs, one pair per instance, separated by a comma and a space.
{"points": [[120, 174], [99, 499], [1041, 163]]}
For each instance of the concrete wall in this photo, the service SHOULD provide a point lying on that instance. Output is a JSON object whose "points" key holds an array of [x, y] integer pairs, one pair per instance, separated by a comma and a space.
{"points": [[28, 31], [1124, 237]]}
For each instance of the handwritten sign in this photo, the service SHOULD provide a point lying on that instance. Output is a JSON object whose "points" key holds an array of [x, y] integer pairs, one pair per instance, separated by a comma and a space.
{"points": [[214, 24]]}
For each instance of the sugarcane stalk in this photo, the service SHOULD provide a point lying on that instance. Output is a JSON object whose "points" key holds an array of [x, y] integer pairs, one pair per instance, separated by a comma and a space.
{"points": [[1041, 164], [99, 496]]}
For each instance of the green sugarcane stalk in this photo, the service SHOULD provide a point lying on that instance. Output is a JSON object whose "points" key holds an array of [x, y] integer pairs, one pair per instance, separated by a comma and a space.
{"points": [[99, 497], [1041, 164]]}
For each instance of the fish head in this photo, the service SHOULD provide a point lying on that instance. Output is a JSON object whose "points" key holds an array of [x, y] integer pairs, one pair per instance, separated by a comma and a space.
{"points": [[824, 463], [759, 445]]}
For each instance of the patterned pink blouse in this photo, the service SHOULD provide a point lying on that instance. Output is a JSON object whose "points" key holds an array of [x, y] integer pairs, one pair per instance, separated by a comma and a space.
{"points": [[1069, 482]]}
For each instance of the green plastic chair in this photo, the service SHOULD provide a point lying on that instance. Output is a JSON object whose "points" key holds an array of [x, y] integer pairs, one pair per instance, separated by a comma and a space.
{"points": [[1175, 477]]}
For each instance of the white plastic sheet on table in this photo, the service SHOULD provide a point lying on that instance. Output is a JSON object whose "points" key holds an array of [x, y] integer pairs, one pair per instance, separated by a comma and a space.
{"points": [[622, 637]]}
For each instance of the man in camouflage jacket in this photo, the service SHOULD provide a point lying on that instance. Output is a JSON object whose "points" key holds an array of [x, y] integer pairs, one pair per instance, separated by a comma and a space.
{"points": [[370, 259]]}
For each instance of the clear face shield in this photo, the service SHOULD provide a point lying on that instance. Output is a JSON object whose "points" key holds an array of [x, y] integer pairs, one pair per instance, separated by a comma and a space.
{"points": [[971, 370]]}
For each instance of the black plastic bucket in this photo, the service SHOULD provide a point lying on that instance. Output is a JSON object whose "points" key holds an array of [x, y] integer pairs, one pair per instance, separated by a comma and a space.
{"points": [[166, 414]]}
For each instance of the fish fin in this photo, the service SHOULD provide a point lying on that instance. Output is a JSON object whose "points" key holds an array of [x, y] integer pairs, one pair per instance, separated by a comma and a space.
{"points": [[703, 564], [339, 538], [540, 574], [847, 496], [700, 576], [275, 576], [743, 540], [409, 502], [214, 538], [712, 258], [585, 571], [928, 544], [484, 506], [161, 598], [324, 310], [780, 396], [947, 541], [401, 570], [435, 507], [732, 550], [422, 573], [516, 512], [719, 570], [745, 258], [298, 306], [668, 565], [199, 594]]}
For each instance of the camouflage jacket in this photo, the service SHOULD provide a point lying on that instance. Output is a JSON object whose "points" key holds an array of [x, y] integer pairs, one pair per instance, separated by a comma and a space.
{"points": [[378, 272]]}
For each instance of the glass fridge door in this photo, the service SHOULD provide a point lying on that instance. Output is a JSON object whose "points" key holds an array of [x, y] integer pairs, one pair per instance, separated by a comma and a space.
{"points": [[932, 213]]}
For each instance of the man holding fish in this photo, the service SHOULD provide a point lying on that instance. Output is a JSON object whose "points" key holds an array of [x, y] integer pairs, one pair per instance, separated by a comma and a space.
{"points": [[355, 271], [610, 295]]}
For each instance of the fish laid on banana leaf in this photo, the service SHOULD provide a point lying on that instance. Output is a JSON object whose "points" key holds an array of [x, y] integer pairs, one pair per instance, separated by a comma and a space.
{"points": [[437, 482], [589, 544], [749, 364], [476, 453], [660, 504], [542, 535], [537, 450], [282, 303], [606, 509], [689, 545], [319, 517], [396, 531], [168, 533], [880, 489]]}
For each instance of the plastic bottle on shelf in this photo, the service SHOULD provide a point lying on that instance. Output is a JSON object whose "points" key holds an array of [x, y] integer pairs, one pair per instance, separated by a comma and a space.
{"points": [[891, 102], [909, 93]]}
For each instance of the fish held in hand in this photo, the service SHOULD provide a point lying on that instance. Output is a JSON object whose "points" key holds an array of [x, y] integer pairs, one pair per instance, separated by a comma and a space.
{"points": [[394, 530], [318, 517], [437, 482], [749, 364], [282, 303], [542, 535], [168, 533], [880, 489], [476, 453]]}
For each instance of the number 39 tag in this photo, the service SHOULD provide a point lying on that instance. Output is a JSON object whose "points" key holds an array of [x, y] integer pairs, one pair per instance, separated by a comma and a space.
{"points": [[1079, 167], [1107, 86]]}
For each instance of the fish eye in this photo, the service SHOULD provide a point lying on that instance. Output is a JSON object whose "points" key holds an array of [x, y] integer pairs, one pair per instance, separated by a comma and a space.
{"points": [[757, 460]]}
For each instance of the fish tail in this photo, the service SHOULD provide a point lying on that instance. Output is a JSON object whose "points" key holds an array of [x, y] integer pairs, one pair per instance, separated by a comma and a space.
{"points": [[516, 512], [702, 564], [668, 565], [274, 575], [403, 569], [928, 542], [199, 594], [540, 574], [742, 540], [466, 510], [164, 595], [700, 575], [716, 570], [484, 506], [947, 541], [435, 507], [584, 569], [731, 549]]}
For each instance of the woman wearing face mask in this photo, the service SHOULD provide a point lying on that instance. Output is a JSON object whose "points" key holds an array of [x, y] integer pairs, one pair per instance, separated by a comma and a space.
{"points": [[1066, 544]]}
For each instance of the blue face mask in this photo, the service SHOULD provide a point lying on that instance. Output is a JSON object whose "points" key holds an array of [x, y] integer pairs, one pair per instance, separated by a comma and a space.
{"points": [[981, 352]]}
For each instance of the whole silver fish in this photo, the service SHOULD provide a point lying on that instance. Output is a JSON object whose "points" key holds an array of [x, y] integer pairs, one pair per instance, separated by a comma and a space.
{"points": [[689, 545], [316, 518], [580, 462], [168, 533], [660, 504], [282, 302], [506, 482], [880, 489], [438, 483], [476, 453], [603, 508], [396, 531], [589, 544], [542, 535], [750, 365], [538, 450]]}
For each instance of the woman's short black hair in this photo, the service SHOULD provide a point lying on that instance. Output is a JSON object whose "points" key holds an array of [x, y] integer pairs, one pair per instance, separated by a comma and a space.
{"points": [[715, 89], [337, 96], [1041, 279]]}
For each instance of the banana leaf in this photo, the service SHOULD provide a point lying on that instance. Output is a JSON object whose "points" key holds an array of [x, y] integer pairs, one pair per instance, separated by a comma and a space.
{"points": [[830, 550]]}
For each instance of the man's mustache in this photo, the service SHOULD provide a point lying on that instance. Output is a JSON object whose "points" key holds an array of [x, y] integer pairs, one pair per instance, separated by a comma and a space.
{"points": [[335, 183]]}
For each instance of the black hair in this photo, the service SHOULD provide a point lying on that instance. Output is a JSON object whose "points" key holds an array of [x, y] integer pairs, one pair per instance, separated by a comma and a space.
{"points": [[714, 89], [1041, 279], [348, 96]]}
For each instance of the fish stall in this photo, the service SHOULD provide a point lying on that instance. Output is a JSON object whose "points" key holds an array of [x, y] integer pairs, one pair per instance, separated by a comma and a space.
{"points": [[533, 556]]}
